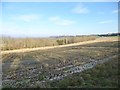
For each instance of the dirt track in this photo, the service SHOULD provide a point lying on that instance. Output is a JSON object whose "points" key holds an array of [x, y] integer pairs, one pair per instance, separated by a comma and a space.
{"points": [[25, 69], [102, 39]]}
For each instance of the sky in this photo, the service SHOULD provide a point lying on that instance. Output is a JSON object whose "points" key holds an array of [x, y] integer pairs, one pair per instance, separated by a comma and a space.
{"points": [[42, 19]]}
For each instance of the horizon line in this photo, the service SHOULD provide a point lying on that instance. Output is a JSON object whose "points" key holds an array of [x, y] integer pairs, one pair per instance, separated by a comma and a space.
{"points": [[50, 36]]}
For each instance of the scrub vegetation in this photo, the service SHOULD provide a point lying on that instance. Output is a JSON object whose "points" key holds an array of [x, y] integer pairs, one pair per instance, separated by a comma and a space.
{"points": [[9, 43]]}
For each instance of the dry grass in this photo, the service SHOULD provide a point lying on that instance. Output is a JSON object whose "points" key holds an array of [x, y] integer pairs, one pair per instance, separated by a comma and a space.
{"points": [[9, 43], [103, 39], [32, 66]]}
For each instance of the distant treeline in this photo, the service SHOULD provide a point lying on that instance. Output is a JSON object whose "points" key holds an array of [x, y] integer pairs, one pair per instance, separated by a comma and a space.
{"points": [[110, 34], [9, 43]]}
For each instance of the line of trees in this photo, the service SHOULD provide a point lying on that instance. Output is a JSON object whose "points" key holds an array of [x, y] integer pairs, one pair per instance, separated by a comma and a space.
{"points": [[109, 34]]}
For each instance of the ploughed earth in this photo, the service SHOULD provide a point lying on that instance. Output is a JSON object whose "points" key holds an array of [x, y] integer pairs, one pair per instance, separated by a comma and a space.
{"points": [[36, 68]]}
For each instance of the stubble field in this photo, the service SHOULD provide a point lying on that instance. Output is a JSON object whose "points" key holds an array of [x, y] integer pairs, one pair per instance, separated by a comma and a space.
{"points": [[51, 67]]}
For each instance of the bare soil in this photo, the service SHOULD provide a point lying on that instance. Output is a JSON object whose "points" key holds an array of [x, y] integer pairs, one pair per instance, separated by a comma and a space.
{"points": [[33, 68]]}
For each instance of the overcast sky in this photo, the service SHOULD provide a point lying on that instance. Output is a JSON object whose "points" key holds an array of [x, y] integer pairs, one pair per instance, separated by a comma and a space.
{"points": [[36, 19]]}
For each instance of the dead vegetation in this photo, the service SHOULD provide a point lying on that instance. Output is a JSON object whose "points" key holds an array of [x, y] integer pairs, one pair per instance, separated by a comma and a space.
{"points": [[35, 68], [9, 43]]}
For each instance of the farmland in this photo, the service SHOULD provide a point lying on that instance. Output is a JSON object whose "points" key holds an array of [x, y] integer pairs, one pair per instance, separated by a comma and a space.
{"points": [[45, 67], [10, 43]]}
